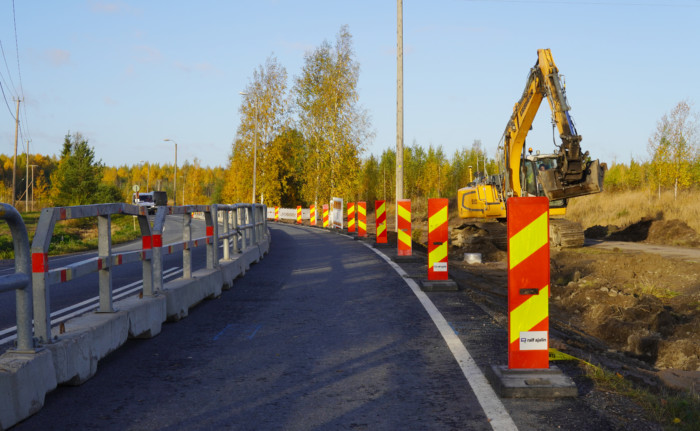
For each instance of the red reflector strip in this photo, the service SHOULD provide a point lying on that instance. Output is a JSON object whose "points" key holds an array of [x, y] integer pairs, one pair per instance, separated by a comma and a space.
{"points": [[40, 262]]}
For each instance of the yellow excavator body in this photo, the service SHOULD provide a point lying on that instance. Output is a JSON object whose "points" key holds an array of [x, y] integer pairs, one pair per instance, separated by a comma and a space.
{"points": [[559, 176]]}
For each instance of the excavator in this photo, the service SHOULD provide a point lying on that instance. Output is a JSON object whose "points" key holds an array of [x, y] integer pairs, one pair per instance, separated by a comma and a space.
{"points": [[564, 174]]}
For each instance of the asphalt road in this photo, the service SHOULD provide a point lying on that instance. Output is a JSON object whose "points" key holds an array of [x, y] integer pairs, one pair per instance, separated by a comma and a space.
{"points": [[322, 334]]}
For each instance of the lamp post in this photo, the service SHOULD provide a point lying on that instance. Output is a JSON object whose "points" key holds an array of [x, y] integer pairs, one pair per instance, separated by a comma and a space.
{"points": [[148, 175], [175, 181], [255, 140]]}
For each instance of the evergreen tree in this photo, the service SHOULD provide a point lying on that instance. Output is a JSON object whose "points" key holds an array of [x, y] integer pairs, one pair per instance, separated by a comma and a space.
{"points": [[77, 179]]}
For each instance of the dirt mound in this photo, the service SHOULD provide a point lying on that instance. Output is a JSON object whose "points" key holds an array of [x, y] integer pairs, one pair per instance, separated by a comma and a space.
{"points": [[648, 230], [642, 304], [489, 239], [673, 232]]}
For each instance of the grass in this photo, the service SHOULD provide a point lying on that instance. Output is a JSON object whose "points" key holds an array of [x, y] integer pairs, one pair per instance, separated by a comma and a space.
{"points": [[628, 207], [673, 410], [649, 288], [71, 236]]}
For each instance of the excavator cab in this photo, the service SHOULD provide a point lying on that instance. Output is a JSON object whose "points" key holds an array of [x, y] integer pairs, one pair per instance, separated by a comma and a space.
{"points": [[533, 166]]}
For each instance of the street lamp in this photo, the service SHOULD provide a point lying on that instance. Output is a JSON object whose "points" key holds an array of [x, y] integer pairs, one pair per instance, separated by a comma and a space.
{"points": [[175, 181], [255, 140], [147, 175]]}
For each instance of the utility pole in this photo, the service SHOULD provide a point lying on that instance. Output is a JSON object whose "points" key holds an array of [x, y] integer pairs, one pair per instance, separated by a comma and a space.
{"points": [[14, 162], [399, 105], [26, 183], [33, 166]]}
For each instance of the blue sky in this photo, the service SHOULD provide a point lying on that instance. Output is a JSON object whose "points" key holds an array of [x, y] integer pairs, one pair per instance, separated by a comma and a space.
{"points": [[128, 74]]}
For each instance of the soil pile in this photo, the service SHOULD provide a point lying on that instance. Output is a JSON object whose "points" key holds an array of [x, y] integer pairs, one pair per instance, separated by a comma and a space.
{"points": [[644, 306], [651, 231], [641, 304], [489, 239]]}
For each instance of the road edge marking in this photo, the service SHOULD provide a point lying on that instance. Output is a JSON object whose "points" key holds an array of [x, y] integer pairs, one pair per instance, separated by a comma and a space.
{"points": [[492, 406]]}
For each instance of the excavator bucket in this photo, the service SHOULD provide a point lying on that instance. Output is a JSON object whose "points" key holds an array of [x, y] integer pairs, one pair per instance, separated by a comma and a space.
{"points": [[556, 187]]}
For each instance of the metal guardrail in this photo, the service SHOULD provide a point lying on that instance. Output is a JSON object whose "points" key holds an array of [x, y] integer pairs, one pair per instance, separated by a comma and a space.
{"points": [[244, 225], [19, 281]]}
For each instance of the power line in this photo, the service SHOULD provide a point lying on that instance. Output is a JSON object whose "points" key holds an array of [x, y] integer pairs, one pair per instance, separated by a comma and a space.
{"points": [[6, 102], [7, 67], [19, 71], [25, 124], [2, 79], [694, 4]]}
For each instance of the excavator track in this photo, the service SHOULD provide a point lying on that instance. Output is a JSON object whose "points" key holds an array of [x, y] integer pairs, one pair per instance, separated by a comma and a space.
{"points": [[565, 233]]}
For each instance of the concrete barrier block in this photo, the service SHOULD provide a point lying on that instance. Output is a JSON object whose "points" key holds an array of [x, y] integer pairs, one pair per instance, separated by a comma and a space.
{"points": [[250, 256], [231, 270], [146, 315], [210, 282], [180, 295], [86, 340], [109, 330], [25, 379], [73, 361]]}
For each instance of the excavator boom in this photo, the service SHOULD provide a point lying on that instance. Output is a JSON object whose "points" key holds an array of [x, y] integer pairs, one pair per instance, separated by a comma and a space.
{"points": [[574, 174]]}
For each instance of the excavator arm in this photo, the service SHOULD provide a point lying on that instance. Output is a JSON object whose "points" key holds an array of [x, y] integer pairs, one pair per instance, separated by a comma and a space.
{"points": [[574, 174]]}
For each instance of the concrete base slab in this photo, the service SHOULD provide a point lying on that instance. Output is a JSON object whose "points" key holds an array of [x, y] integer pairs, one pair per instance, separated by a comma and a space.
{"points": [[408, 259], [438, 286], [531, 383], [383, 245]]}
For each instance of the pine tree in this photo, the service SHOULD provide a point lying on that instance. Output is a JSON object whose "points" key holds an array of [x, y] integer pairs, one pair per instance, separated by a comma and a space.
{"points": [[77, 179]]}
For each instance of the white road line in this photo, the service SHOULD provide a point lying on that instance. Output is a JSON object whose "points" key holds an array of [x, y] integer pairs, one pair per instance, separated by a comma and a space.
{"points": [[59, 316], [493, 407]]}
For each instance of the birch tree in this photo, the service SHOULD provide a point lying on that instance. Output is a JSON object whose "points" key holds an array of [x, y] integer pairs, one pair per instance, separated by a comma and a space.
{"points": [[334, 124], [673, 146], [264, 112]]}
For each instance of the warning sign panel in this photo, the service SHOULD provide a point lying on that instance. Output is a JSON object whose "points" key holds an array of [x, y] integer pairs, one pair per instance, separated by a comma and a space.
{"points": [[440, 267], [534, 340]]}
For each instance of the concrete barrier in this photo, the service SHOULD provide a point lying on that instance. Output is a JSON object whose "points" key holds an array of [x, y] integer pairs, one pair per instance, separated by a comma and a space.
{"points": [[26, 378]]}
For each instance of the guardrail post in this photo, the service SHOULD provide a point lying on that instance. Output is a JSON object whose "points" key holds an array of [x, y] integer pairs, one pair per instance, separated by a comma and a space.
{"points": [[157, 244], [146, 263], [244, 225], [186, 238], [253, 226], [211, 218], [104, 256], [262, 211], [227, 251], [40, 272], [21, 278], [236, 216]]}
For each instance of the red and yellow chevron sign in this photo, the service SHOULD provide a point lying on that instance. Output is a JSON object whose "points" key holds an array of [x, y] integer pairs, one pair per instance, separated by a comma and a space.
{"points": [[405, 247], [325, 215], [380, 221], [277, 213], [351, 217], [312, 215], [528, 282], [362, 219], [298, 214], [437, 239]]}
